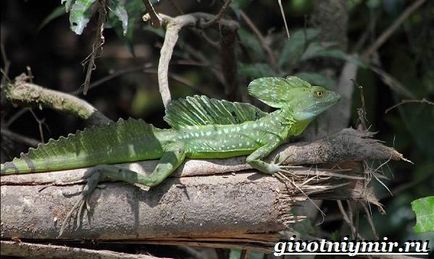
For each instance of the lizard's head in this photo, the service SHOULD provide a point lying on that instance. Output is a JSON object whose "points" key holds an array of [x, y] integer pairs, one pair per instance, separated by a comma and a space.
{"points": [[306, 101], [312, 101]]}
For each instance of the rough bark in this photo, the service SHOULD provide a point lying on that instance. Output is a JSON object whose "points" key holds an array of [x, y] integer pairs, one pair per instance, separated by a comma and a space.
{"points": [[245, 209]]}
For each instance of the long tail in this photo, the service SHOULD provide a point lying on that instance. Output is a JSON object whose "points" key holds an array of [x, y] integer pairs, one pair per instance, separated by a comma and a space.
{"points": [[123, 141]]}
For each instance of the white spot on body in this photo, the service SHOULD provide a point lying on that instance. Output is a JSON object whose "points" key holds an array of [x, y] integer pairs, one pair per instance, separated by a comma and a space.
{"points": [[131, 150]]}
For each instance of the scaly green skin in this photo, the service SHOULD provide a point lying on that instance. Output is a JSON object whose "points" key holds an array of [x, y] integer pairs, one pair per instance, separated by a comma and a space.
{"points": [[202, 128]]}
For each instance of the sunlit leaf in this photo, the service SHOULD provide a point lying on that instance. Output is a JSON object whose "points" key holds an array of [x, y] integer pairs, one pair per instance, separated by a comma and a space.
{"points": [[424, 210], [117, 9], [134, 10], [67, 4], [80, 14]]}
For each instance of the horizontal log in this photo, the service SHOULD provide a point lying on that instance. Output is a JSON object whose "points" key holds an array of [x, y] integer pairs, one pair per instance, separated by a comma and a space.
{"points": [[234, 210]]}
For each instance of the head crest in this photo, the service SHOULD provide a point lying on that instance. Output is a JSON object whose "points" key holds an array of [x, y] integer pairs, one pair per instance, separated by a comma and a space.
{"points": [[276, 91]]}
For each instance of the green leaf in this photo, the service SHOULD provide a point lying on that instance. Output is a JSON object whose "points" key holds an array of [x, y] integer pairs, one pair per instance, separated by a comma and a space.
{"points": [[317, 49], [68, 4], [424, 210], [256, 70], [117, 9], [317, 79], [125, 26], [252, 45], [59, 11], [295, 46], [80, 14]]}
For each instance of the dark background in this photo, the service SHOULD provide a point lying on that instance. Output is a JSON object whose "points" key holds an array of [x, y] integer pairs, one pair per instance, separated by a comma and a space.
{"points": [[54, 54]]}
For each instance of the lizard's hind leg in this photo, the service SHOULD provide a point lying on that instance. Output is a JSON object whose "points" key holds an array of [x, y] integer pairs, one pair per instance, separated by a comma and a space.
{"points": [[172, 157], [93, 177]]}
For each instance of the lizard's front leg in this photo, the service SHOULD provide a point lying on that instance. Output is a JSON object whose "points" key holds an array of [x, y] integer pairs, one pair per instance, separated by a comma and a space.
{"points": [[255, 159], [171, 159]]}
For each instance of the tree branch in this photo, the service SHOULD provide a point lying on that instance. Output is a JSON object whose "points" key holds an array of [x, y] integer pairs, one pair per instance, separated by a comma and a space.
{"points": [[271, 57], [219, 15], [173, 27], [392, 28], [34, 95]]}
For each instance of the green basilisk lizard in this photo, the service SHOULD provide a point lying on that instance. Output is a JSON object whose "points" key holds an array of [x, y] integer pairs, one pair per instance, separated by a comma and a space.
{"points": [[201, 128]]}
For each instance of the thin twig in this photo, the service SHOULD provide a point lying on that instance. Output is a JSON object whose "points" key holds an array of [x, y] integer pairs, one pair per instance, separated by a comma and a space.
{"points": [[392, 82], [392, 28], [154, 18], [96, 46], [262, 41], [361, 112], [113, 75], [283, 17], [347, 218], [373, 18], [173, 27], [7, 64], [218, 16], [14, 117], [423, 100], [26, 93], [20, 138], [40, 123], [369, 218]]}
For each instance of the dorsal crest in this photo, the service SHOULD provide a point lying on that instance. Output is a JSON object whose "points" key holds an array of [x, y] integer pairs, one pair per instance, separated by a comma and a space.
{"points": [[201, 110], [276, 91]]}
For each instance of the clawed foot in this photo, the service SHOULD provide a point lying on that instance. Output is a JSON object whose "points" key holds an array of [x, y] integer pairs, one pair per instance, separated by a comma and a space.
{"points": [[92, 178], [79, 206], [276, 166]]}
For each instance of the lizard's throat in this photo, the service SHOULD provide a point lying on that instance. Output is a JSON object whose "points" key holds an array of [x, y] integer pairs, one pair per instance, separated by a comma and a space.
{"points": [[295, 126]]}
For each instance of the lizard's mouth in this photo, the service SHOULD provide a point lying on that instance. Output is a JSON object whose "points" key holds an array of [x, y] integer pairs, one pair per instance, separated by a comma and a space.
{"points": [[325, 104], [318, 107]]}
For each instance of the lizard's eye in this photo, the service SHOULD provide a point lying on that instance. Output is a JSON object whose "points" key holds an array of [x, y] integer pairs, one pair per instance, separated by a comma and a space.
{"points": [[319, 93]]}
